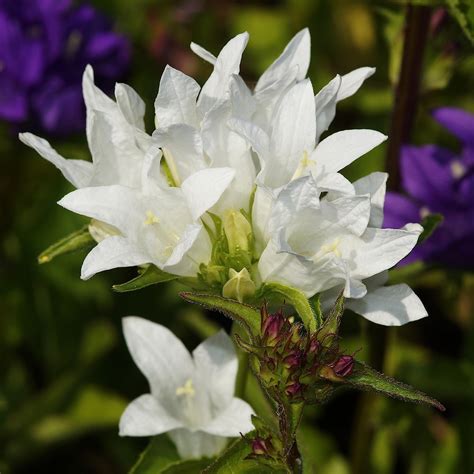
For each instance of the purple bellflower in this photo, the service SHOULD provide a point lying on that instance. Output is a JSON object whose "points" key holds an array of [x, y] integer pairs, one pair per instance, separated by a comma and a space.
{"points": [[436, 180], [45, 46]]}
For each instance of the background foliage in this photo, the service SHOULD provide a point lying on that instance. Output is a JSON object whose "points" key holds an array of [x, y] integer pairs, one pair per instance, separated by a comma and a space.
{"points": [[65, 373]]}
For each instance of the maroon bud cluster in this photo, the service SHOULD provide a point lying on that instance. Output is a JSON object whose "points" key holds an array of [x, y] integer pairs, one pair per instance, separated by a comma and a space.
{"points": [[292, 362]]}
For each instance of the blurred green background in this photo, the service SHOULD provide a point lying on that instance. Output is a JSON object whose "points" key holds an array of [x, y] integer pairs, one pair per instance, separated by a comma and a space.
{"points": [[65, 373]]}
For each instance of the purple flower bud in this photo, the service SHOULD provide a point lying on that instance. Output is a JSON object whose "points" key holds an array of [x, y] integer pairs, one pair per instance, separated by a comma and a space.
{"points": [[272, 326], [295, 358], [314, 345], [293, 389], [344, 366], [261, 446]]}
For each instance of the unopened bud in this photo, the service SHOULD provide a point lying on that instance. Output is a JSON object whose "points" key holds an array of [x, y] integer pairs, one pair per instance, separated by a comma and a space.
{"points": [[238, 231], [295, 358], [240, 285], [261, 446], [272, 327], [294, 389], [344, 366]]}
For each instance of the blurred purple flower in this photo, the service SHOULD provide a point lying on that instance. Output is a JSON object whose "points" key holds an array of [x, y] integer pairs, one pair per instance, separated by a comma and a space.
{"points": [[437, 180], [45, 46]]}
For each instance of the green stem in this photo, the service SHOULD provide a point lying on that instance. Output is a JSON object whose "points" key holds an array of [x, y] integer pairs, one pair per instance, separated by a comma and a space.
{"points": [[243, 357]]}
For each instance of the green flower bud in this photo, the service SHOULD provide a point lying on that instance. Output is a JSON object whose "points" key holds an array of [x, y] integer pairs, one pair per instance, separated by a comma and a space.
{"points": [[239, 286], [238, 231]]}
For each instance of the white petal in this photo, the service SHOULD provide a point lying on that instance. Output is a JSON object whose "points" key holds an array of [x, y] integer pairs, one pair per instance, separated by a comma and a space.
{"points": [[325, 102], [94, 98], [227, 64], [77, 172], [182, 148], [176, 99], [296, 53], [192, 249], [299, 272], [390, 306], [204, 188], [196, 444], [350, 213], [243, 101], [115, 151], [113, 252], [373, 184], [131, 105], [381, 249], [159, 355], [352, 81], [146, 416], [297, 196], [293, 133], [340, 149], [233, 420], [115, 205], [216, 362], [256, 137], [261, 212], [334, 184], [354, 289], [203, 53]]}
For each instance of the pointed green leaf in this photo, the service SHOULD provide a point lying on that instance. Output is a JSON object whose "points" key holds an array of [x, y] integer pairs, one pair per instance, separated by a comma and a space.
{"points": [[190, 466], [79, 240], [299, 301], [244, 314], [150, 275], [366, 378], [333, 320], [429, 224], [232, 461]]}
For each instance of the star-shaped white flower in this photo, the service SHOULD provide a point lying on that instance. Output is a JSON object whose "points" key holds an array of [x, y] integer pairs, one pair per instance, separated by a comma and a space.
{"points": [[392, 305], [191, 396], [116, 136], [320, 244]]}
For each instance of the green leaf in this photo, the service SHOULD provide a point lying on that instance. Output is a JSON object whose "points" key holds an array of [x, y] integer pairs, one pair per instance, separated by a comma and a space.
{"points": [[244, 314], [299, 301], [232, 461], [159, 454], [332, 322], [429, 223], [366, 378], [150, 275], [191, 466], [79, 240]]}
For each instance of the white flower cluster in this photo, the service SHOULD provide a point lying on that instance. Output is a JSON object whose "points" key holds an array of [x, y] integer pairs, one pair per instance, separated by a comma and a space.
{"points": [[245, 164]]}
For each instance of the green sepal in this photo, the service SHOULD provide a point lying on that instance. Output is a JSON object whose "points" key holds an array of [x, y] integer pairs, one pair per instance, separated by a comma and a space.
{"points": [[298, 300], [429, 224], [233, 460], [246, 315], [149, 275], [365, 378], [333, 320], [79, 240]]}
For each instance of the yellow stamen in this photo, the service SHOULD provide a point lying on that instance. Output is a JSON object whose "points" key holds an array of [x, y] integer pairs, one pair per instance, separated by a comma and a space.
{"points": [[151, 218], [303, 164], [187, 389]]}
